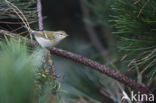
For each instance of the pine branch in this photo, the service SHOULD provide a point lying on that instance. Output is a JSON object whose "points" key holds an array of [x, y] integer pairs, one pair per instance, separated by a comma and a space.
{"points": [[101, 68]]}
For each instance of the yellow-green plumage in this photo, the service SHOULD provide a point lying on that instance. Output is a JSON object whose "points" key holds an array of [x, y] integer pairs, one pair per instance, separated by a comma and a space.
{"points": [[49, 38]]}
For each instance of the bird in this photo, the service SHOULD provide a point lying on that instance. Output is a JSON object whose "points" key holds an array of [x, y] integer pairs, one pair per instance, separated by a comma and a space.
{"points": [[51, 39]]}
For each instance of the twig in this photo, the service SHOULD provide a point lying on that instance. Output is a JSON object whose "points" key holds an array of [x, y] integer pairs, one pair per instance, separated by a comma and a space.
{"points": [[40, 17], [91, 31], [97, 66], [142, 8]]}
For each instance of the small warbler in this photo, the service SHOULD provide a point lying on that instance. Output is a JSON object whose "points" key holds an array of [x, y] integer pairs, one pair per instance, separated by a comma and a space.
{"points": [[52, 38]]}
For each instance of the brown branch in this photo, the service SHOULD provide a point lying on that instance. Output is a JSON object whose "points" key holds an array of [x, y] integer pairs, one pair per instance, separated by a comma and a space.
{"points": [[101, 68], [40, 17], [91, 31]]}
